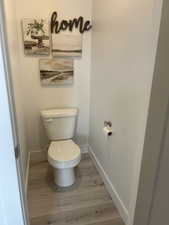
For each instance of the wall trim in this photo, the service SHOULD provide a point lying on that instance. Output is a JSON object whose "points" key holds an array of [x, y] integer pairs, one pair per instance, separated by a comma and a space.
{"points": [[39, 155], [27, 172], [37, 151], [84, 148], [110, 188]]}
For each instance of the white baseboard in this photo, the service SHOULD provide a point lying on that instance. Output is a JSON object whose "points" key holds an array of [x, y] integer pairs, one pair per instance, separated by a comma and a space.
{"points": [[84, 148], [27, 173], [37, 151], [110, 188]]}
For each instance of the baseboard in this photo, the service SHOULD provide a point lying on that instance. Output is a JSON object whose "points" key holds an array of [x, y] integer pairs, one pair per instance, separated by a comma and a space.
{"points": [[27, 173], [84, 148], [110, 188], [40, 155]]}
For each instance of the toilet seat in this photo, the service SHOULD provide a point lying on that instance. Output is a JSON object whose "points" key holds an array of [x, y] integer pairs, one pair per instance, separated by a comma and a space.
{"points": [[64, 154]]}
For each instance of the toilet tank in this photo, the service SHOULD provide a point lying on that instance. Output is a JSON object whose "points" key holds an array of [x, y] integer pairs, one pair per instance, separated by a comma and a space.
{"points": [[59, 123]]}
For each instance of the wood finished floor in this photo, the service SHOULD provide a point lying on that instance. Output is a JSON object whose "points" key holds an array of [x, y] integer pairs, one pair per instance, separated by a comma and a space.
{"points": [[85, 203]]}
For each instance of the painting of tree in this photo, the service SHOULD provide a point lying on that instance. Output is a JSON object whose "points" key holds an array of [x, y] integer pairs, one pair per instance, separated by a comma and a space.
{"points": [[36, 36]]}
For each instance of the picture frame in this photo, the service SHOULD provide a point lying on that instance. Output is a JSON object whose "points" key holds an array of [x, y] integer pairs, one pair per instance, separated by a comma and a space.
{"points": [[36, 37], [56, 71]]}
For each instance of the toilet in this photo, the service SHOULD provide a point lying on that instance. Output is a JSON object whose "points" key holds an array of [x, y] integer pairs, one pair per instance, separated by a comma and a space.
{"points": [[63, 154]]}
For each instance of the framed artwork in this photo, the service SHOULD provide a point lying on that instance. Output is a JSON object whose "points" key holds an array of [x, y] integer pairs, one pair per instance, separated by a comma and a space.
{"points": [[56, 71], [36, 37], [66, 45]]}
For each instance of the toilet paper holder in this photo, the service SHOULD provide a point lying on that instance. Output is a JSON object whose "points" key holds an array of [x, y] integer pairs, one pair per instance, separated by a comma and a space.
{"points": [[107, 123], [107, 128]]}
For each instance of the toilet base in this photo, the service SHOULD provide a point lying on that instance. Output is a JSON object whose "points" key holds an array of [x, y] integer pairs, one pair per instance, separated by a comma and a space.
{"points": [[64, 177]]}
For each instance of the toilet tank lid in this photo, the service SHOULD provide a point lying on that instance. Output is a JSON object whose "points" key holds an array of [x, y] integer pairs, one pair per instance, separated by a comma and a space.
{"points": [[63, 112]]}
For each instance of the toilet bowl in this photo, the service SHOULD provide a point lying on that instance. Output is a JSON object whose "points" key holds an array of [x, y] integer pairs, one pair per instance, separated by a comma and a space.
{"points": [[63, 154]]}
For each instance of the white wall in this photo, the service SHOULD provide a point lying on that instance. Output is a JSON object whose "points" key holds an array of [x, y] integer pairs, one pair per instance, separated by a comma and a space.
{"points": [[124, 44], [36, 97], [10, 17]]}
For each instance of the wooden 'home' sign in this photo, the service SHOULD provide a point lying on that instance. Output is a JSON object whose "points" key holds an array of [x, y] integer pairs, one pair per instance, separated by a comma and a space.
{"points": [[69, 25]]}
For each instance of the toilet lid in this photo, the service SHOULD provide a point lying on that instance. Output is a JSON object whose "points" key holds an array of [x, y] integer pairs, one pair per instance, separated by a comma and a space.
{"points": [[63, 151]]}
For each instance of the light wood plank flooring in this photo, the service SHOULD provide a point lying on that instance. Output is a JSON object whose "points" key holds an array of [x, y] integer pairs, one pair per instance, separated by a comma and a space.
{"points": [[85, 203]]}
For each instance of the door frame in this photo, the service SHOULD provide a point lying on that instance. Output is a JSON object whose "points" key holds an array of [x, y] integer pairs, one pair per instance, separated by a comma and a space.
{"points": [[157, 131], [10, 197], [13, 208]]}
